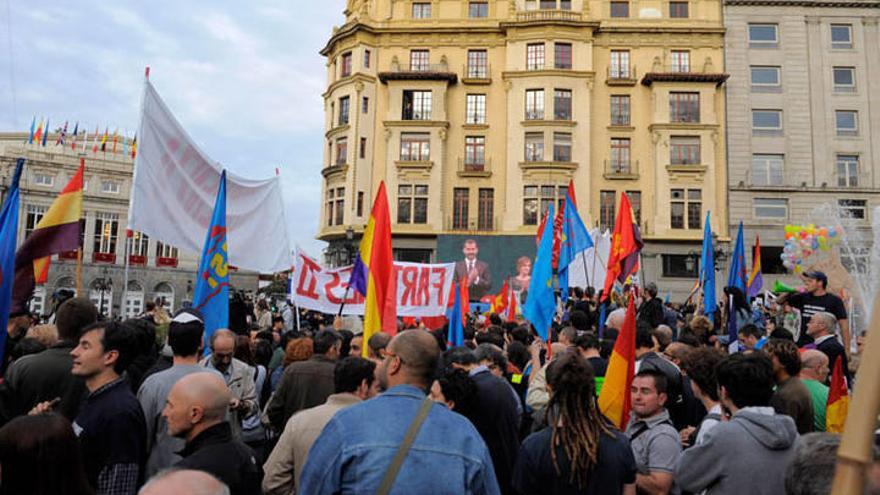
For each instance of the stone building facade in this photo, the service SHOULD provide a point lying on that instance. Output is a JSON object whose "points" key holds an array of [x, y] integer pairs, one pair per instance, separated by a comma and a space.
{"points": [[156, 271], [477, 114], [803, 116]]}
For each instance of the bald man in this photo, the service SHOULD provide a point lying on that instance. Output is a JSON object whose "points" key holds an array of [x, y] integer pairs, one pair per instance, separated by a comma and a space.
{"points": [[355, 449], [184, 482], [814, 373], [196, 411]]}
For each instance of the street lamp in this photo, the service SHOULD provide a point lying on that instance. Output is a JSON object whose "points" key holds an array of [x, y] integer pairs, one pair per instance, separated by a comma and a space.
{"points": [[349, 244], [103, 284]]}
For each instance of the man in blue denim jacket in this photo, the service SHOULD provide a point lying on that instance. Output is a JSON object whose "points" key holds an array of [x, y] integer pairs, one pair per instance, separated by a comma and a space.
{"points": [[355, 449]]}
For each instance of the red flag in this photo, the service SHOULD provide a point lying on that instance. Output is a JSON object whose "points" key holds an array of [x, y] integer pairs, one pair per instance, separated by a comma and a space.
{"points": [[499, 302], [626, 243], [541, 227], [465, 300], [511, 308], [571, 193]]}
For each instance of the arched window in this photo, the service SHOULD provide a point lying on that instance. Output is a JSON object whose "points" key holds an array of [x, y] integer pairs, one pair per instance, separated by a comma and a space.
{"points": [[163, 294], [134, 299]]}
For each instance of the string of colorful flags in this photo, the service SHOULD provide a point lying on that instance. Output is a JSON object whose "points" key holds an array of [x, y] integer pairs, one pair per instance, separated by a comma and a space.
{"points": [[79, 138]]}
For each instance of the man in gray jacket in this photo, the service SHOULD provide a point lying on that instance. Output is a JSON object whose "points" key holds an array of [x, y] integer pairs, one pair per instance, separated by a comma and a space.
{"points": [[238, 375], [185, 339], [749, 453]]}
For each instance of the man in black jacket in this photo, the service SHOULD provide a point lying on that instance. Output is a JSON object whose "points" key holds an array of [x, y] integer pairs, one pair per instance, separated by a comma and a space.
{"points": [[821, 328], [196, 411], [494, 413], [46, 376], [651, 311]]}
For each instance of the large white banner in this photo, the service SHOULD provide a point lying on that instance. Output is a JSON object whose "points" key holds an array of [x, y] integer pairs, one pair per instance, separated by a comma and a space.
{"points": [[421, 289], [589, 267], [173, 194]]}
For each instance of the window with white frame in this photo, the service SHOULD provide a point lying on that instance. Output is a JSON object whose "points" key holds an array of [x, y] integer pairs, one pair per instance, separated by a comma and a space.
{"points": [[421, 10], [844, 79], [854, 208], [534, 147], [478, 9], [477, 64], [475, 109], [106, 230], [763, 35], [535, 56], [561, 146], [38, 300], [341, 151], [619, 67], [139, 244], [475, 152], [765, 76], [841, 36], [847, 170], [33, 215], [767, 170], [412, 203], [772, 208], [44, 179], [766, 120], [415, 146], [534, 104], [681, 61], [416, 105], [620, 113], [165, 250], [419, 60], [110, 187], [846, 122], [620, 155]]}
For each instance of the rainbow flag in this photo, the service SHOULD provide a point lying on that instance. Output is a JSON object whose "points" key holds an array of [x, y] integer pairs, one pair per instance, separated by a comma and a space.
{"points": [[614, 399], [838, 400], [756, 281], [57, 232], [373, 268]]}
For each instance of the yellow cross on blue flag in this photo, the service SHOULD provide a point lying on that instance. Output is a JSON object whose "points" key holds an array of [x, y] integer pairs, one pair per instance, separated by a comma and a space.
{"points": [[212, 287]]}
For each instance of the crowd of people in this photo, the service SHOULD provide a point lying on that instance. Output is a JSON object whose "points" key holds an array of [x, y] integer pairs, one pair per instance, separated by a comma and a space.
{"points": [[150, 405]]}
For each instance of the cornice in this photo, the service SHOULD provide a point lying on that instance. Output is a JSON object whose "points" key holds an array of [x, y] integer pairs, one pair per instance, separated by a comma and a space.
{"points": [[452, 29], [805, 3], [354, 78]]}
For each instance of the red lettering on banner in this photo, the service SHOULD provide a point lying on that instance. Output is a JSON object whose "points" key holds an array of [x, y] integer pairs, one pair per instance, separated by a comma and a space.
{"points": [[309, 269], [408, 278], [424, 294], [334, 282], [438, 284]]}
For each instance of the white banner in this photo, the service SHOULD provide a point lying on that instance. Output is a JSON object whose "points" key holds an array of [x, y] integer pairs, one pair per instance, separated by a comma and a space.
{"points": [[421, 289], [594, 259], [173, 194]]}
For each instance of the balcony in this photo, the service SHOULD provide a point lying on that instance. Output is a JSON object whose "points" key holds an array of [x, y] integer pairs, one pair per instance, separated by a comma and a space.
{"points": [[137, 260], [616, 170], [685, 73], [620, 76], [426, 72], [163, 262], [336, 169], [548, 15], [476, 74], [768, 183], [850, 181], [104, 258], [474, 169]]}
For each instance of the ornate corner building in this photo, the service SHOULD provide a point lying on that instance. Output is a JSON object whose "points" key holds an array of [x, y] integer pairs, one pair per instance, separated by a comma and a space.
{"points": [[157, 271], [477, 114]]}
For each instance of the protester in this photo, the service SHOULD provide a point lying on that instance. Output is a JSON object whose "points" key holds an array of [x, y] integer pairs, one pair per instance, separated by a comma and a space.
{"points": [[456, 390], [821, 329], [655, 441], [751, 337], [356, 447], [298, 349], [589, 349], [817, 299], [377, 344], [238, 377], [700, 367], [791, 396], [354, 381], [184, 482], [185, 339], [748, 453], [648, 359], [307, 383], [356, 346], [196, 411], [580, 452], [651, 311], [496, 412], [110, 424], [40, 455], [814, 373], [46, 376], [45, 334]]}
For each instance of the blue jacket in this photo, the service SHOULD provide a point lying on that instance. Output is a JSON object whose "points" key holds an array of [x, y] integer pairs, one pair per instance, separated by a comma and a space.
{"points": [[355, 449]]}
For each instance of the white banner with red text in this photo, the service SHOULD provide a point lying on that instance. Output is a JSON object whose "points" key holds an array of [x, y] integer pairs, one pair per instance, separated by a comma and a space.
{"points": [[421, 289]]}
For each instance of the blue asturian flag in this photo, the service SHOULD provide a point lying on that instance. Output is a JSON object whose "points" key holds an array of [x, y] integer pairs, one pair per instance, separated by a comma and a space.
{"points": [[212, 287], [541, 302], [736, 277], [8, 231], [575, 240], [455, 336], [707, 272]]}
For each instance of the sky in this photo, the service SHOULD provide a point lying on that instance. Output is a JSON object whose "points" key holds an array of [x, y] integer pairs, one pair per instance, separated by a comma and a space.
{"points": [[243, 78]]}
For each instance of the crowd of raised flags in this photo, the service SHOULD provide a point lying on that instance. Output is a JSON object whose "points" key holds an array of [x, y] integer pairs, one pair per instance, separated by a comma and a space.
{"points": [[78, 139]]}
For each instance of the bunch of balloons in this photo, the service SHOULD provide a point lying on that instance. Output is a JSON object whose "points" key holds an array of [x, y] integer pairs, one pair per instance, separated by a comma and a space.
{"points": [[802, 241]]}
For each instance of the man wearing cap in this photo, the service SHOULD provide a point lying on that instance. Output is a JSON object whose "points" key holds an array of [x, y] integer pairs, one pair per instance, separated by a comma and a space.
{"points": [[185, 339], [817, 299]]}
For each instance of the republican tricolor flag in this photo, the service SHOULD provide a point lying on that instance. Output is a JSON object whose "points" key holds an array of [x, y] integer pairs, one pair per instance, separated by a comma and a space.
{"points": [[838, 400], [614, 399], [373, 268], [58, 231]]}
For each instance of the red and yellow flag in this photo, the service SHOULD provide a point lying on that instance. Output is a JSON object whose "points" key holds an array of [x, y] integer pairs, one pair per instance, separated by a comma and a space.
{"points": [[838, 400], [373, 268], [615, 401], [58, 231], [626, 243], [499, 302]]}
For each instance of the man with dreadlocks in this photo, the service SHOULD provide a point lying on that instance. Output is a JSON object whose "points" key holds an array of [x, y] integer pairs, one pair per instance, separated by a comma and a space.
{"points": [[581, 452]]}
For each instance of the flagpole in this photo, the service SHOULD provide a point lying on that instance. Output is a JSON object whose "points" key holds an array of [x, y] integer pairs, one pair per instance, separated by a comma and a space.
{"points": [[79, 261], [128, 239]]}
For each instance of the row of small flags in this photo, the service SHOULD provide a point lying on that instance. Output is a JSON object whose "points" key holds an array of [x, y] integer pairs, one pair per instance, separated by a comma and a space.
{"points": [[106, 142]]}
